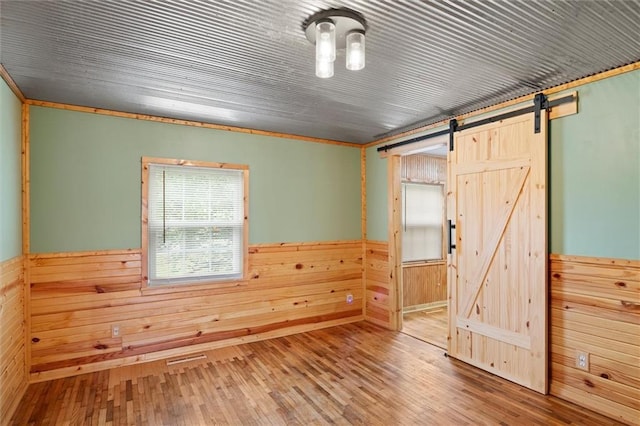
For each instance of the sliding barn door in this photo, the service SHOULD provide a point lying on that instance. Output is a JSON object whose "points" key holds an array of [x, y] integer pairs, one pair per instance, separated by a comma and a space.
{"points": [[497, 270]]}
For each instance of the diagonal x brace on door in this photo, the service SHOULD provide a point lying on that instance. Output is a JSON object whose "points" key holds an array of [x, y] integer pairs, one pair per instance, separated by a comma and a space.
{"points": [[495, 236]]}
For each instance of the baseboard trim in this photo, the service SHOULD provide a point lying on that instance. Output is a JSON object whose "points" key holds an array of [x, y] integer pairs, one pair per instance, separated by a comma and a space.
{"points": [[425, 307], [184, 351]]}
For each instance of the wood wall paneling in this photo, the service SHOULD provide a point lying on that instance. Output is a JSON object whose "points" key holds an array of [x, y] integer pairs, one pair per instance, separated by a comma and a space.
{"points": [[595, 308], [76, 298], [423, 169], [424, 284], [377, 307], [13, 378]]}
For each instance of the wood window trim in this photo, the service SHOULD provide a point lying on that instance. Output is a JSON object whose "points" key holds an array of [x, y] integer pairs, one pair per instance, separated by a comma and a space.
{"points": [[200, 285]]}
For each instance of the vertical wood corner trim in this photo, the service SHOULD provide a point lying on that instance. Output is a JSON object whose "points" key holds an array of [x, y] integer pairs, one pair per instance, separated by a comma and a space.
{"points": [[363, 219], [26, 223], [395, 241]]}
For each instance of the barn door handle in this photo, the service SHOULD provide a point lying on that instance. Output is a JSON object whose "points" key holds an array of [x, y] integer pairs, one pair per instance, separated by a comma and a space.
{"points": [[450, 226]]}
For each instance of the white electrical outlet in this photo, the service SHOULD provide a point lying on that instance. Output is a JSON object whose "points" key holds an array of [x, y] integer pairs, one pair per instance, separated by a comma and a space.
{"points": [[115, 331], [582, 360], [349, 298]]}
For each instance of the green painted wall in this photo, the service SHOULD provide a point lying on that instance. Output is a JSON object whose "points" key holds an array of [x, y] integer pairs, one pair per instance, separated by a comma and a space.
{"points": [[10, 174], [85, 180], [594, 169], [377, 210], [595, 172]]}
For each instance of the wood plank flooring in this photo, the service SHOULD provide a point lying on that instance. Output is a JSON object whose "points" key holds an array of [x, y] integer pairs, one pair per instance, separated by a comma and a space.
{"points": [[353, 374], [430, 326]]}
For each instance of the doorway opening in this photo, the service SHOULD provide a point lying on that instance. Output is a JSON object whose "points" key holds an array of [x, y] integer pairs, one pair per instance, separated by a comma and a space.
{"points": [[423, 251], [497, 259]]}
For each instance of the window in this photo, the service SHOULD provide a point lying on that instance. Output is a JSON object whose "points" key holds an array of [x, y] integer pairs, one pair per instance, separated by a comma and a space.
{"points": [[422, 222], [193, 221]]}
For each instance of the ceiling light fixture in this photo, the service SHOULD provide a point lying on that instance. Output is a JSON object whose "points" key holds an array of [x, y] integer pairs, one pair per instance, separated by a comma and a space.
{"points": [[335, 29]]}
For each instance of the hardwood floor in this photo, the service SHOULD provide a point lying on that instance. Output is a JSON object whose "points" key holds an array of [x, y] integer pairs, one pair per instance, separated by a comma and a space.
{"points": [[352, 374], [429, 326]]}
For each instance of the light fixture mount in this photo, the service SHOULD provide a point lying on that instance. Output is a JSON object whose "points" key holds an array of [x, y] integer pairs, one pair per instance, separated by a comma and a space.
{"points": [[345, 20], [334, 29]]}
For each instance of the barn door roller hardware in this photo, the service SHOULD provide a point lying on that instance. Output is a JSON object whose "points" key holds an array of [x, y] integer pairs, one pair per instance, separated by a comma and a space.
{"points": [[453, 126], [540, 102]]}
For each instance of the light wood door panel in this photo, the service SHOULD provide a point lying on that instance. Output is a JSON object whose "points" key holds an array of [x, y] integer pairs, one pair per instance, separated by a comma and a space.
{"points": [[498, 273]]}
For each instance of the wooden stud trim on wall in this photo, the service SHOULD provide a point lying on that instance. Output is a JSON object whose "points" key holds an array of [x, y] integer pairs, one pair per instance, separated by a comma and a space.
{"points": [[254, 247], [26, 234], [102, 111], [12, 84], [562, 87], [245, 223], [192, 123], [605, 261], [395, 242], [144, 216], [88, 253], [308, 244], [25, 179], [363, 220], [377, 242]]}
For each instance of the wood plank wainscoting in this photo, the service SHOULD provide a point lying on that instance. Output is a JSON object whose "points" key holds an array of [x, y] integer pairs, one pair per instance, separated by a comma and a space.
{"points": [[76, 298], [13, 372], [377, 307], [424, 284], [595, 309]]}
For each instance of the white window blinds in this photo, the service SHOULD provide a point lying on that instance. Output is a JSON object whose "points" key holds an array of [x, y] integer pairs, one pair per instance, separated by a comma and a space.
{"points": [[195, 224], [422, 222]]}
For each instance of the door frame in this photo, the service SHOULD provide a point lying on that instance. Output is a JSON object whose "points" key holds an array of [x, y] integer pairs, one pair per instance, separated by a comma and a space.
{"points": [[394, 226], [567, 104], [394, 196]]}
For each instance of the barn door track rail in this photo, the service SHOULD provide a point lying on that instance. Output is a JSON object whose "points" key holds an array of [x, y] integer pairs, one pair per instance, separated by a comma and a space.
{"points": [[540, 102]]}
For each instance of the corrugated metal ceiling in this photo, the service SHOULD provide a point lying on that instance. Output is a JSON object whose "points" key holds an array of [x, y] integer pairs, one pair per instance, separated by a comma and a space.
{"points": [[247, 63]]}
